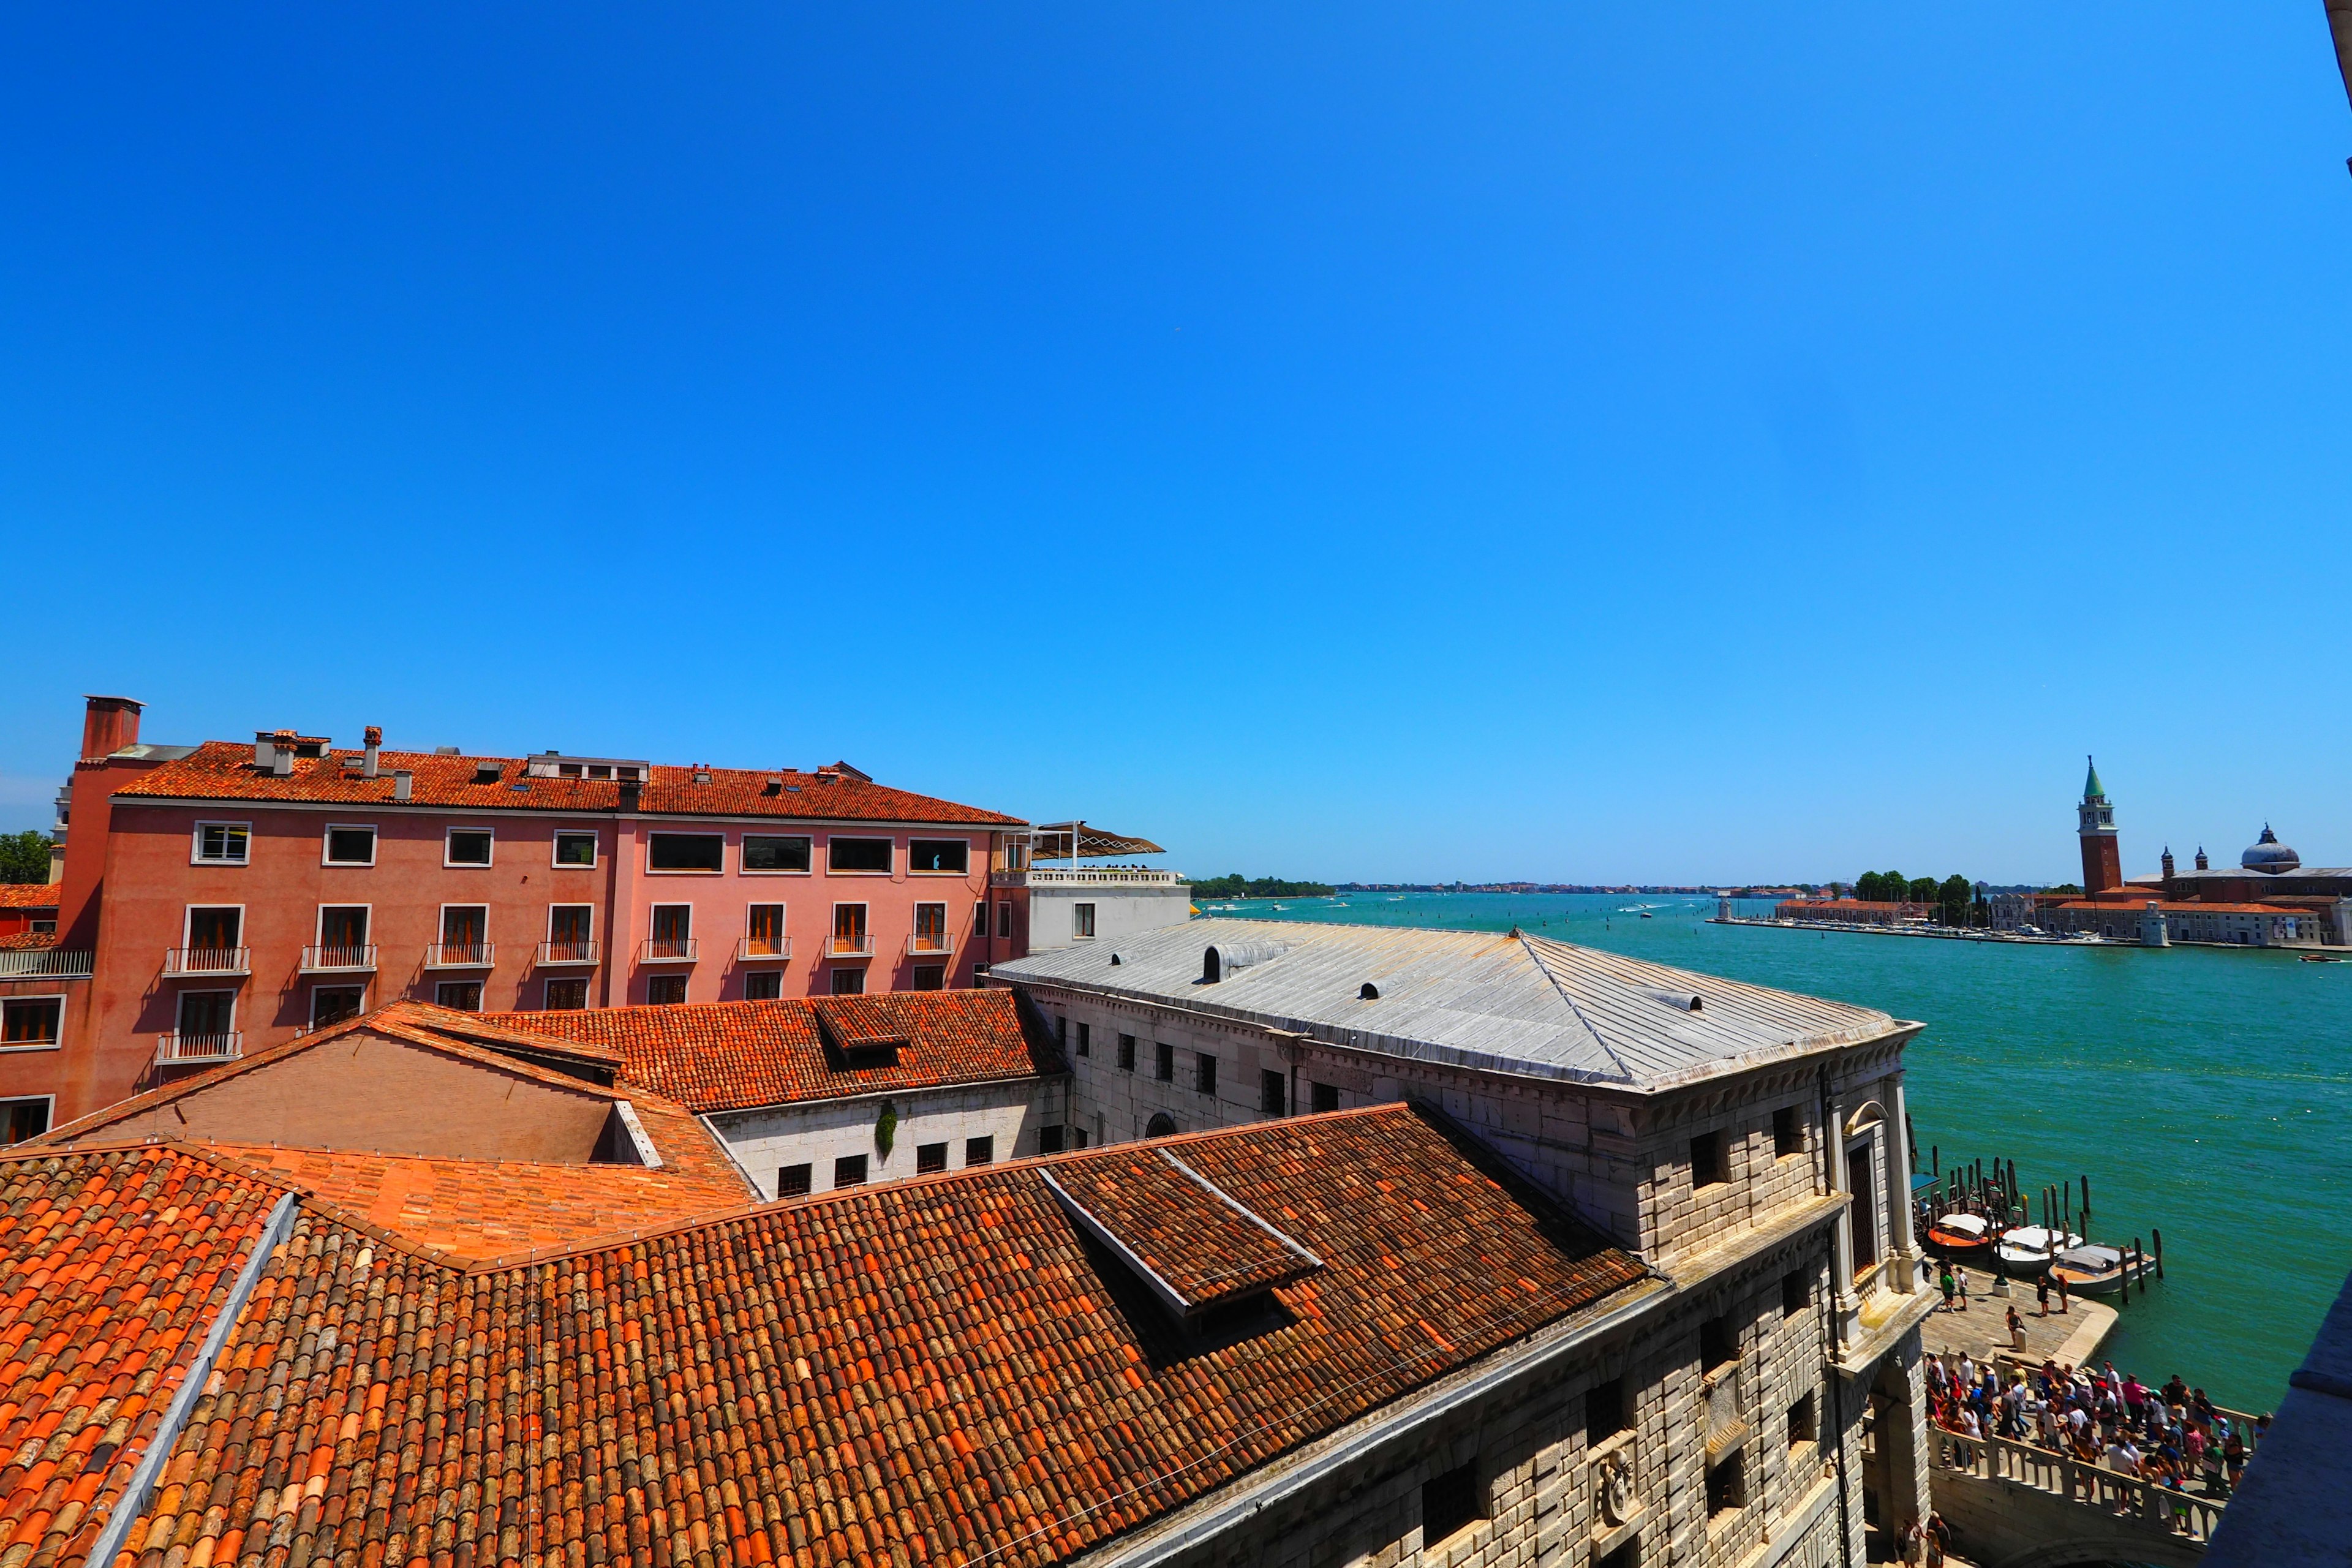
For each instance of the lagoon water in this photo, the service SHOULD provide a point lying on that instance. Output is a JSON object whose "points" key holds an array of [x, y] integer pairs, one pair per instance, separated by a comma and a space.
{"points": [[2207, 1094]]}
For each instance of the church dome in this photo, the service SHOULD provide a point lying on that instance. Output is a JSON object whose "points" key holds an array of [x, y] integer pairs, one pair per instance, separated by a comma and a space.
{"points": [[2269, 854]]}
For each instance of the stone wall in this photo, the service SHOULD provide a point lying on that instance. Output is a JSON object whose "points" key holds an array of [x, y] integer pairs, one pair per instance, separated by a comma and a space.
{"points": [[764, 1142]]}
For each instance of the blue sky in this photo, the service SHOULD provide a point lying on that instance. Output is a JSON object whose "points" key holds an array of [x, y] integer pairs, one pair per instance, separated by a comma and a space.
{"points": [[1403, 442]]}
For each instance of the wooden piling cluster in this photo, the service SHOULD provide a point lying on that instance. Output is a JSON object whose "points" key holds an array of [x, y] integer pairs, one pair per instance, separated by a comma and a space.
{"points": [[1992, 1190]]}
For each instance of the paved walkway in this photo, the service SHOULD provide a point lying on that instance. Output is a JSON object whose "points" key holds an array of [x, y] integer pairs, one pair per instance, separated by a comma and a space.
{"points": [[2073, 1337]]}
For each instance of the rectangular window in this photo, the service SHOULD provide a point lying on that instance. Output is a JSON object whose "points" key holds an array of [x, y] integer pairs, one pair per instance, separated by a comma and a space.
{"points": [[684, 851], [467, 846], [979, 920], [1085, 1040], [1864, 1213], [1164, 1061], [1796, 1292], [930, 977], [979, 1150], [1049, 1139], [849, 1170], [31, 1023], [1604, 1411], [763, 985], [207, 1012], [1004, 920], [930, 1157], [575, 849], [335, 1003], [1204, 1078], [1708, 1164], [776, 852], [1716, 1343], [350, 845], [1450, 1502], [849, 930], [459, 995], [567, 996], [857, 855], [848, 981], [665, 990], [673, 929], [1801, 1422], [1126, 1053], [23, 1118], [342, 930], [1270, 1097], [1082, 922], [214, 929], [223, 843], [463, 926], [1726, 1485], [793, 1181], [930, 928], [763, 929], [1327, 1097], [570, 928], [938, 856], [1788, 1135]]}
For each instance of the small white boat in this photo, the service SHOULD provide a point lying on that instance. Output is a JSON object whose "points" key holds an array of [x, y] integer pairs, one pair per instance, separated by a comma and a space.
{"points": [[2097, 1270], [2029, 1248]]}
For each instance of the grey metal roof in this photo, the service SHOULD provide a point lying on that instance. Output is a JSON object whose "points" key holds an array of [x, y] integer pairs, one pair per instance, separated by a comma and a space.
{"points": [[1513, 1003]]}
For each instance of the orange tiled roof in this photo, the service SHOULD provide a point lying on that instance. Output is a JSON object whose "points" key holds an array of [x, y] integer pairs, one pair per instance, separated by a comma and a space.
{"points": [[2171, 908], [19, 942], [933, 1371], [224, 770], [28, 895], [1191, 1239], [727, 1055]]}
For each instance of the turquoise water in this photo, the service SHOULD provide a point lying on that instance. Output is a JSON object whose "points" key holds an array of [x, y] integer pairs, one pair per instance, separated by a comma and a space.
{"points": [[2207, 1094]]}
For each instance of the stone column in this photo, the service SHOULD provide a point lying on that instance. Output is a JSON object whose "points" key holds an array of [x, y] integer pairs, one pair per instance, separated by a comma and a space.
{"points": [[1849, 1309], [1899, 1189]]}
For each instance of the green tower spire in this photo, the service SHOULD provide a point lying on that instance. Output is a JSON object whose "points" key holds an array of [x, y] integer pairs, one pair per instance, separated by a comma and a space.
{"points": [[2092, 788]]}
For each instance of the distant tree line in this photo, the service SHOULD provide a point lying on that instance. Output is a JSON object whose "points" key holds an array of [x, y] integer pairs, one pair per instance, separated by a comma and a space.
{"points": [[24, 857], [1954, 901], [1237, 886]]}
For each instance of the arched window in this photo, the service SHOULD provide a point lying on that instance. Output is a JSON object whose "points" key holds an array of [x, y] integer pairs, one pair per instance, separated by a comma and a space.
{"points": [[1161, 1125]]}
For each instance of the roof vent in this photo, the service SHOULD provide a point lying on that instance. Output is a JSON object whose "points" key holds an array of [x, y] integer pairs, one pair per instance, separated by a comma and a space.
{"points": [[1115, 958], [775, 785], [702, 772], [401, 782], [1224, 956], [486, 770], [1681, 1001], [1368, 993], [445, 750]]}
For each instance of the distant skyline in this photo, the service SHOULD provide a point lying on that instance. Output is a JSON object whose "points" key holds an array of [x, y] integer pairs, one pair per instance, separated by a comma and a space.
{"points": [[1351, 443]]}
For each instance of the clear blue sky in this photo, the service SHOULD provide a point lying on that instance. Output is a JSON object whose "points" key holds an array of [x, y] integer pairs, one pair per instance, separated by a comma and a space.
{"points": [[1412, 442]]}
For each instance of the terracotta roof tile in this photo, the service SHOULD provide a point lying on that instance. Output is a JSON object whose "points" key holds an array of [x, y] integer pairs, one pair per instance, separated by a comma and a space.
{"points": [[224, 770], [1194, 1239], [28, 895], [25, 941]]}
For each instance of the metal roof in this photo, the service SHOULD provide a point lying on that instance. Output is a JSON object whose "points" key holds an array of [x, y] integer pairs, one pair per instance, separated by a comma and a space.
{"points": [[1515, 1003], [1051, 841]]}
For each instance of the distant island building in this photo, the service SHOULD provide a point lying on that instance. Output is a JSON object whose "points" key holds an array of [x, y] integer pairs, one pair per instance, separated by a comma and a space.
{"points": [[2269, 899], [1853, 911]]}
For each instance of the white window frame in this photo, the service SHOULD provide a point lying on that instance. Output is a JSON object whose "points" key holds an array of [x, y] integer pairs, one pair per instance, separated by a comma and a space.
{"points": [[1088, 934], [947, 931], [439, 985], [551, 935], [772, 973], [320, 986], [557, 980], [188, 923], [783, 916], [890, 838], [441, 925], [743, 867], [196, 849], [50, 1099], [14, 1047], [319, 924], [327, 840], [932, 838], [650, 871], [1004, 920], [448, 864], [179, 1004], [595, 845], [833, 930], [651, 909]]}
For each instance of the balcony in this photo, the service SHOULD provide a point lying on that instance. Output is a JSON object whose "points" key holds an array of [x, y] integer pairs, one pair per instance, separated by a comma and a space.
{"points": [[206, 962], [667, 950], [754, 949], [460, 955], [561, 954], [1099, 877], [360, 960], [925, 944], [859, 946], [44, 964], [178, 1049]]}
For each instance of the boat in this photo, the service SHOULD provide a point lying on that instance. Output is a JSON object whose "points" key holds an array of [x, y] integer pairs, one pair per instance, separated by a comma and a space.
{"points": [[1960, 1235], [2318, 958], [2026, 1250], [1648, 916], [2095, 1270]]}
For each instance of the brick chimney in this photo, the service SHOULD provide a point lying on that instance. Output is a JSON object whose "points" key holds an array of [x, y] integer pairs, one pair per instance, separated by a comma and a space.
{"points": [[108, 724], [375, 740]]}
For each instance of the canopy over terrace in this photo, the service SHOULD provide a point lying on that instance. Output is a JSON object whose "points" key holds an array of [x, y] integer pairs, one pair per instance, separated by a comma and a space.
{"points": [[1077, 841]]}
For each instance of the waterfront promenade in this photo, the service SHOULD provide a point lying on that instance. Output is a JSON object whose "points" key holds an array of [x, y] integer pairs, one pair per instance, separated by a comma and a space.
{"points": [[2072, 1338]]}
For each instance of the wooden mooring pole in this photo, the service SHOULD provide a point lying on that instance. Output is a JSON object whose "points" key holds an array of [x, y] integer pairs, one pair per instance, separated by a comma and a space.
{"points": [[2157, 1236]]}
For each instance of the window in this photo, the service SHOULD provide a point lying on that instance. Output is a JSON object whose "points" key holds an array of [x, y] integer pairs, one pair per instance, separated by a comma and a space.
{"points": [[1082, 922], [770, 852], [859, 855], [848, 982], [930, 928], [763, 985], [930, 977], [1788, 1136], [335, 1003], [849, 1170], [1126, 1053], [459, 995], [214, 928], [1626, 1556], [223, 844], [1270, 1097], [350, 845], [764, 930], [571, 929], [464, 927], [575, 849], [1049, 1139], [1450, 1502], [665, 990], [1327, 1097], [343, 932], [793, 1181], [1706, 1159], [31, 1023], [467, 846], [1164, 1061], [1796, 1292], [684, 851], [208, 1012], [1004, 920], [1604, 1411], [979, 1150], [23, 1118], [1206, 1076], [930, 1157], [673, 932], [568, 996], [938, 856], [1085, 1040], [1801, 1422], [1726, 1485], [1864, 1213], [979, 920], [1716, 1343]]}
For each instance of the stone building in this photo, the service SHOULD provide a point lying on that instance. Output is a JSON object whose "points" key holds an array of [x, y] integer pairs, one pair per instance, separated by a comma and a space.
{"points": [[1749, 1144]]}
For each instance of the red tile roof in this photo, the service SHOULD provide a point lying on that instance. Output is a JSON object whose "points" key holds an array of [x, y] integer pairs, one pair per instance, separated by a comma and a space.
{"points": [[2191, 908], [929, 1373], [729, 1055], [28, 895], [1195, 1241], [22, 941], [224, 770]]}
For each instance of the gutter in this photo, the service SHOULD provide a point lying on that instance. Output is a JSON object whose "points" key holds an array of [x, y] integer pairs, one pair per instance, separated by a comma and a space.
{"points": [[131, 1505]]}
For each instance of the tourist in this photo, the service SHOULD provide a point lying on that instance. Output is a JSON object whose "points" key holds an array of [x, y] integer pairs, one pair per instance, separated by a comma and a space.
{"points": [[1944, 1283], [2176, 1392], [2016, 1330], [2062, 1294], [1938, 1539], [2121, 1456], [1907, 1545], [2233, 1456], [2042, 1295], [2136, 1400], [1960, 1272]]}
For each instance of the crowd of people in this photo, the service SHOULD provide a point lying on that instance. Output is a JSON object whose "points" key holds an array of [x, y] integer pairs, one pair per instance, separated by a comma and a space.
{"points": [[2173, 1437]]}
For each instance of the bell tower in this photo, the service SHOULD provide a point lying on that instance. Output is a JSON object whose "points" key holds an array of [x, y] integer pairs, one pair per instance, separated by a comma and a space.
{"points": [[2095, 823]]}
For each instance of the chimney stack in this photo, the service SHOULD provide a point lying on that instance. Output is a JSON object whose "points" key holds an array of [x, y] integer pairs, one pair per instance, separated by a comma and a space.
{"points": [[108, 724], [281, 762], [374, 735], [400, 782]]}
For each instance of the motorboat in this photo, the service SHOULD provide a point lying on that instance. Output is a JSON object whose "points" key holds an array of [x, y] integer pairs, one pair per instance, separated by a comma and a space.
{"points": [[2097, 1270], [2028, 1248], [1960, 1235]]}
